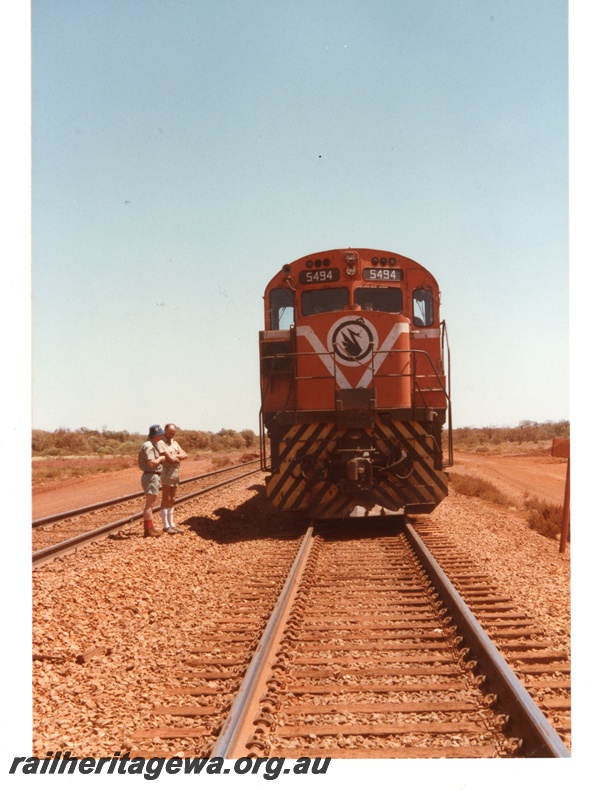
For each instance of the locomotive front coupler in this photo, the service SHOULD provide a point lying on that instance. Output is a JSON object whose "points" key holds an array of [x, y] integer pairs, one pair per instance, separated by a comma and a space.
{"points": [[359, 472], [351, 468]]}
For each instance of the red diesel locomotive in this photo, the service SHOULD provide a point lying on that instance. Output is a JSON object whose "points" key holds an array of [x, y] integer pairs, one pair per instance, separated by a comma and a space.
{"points": [[354, 387]]}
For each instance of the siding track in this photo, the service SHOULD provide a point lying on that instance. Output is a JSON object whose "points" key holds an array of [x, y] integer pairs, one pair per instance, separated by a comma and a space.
{"points": [[59, 534]]}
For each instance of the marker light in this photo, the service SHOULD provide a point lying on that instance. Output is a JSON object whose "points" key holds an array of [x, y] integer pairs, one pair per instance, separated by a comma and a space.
{"points": [[351, 259]]}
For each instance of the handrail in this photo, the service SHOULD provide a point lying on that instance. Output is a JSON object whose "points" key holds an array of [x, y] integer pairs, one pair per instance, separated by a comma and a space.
{"points": [[414, 376], [325, 376], [446, 348]]}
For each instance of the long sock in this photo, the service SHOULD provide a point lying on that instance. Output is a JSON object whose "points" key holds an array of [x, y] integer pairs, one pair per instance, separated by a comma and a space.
{"points": [[170, 517], [164, 514]]}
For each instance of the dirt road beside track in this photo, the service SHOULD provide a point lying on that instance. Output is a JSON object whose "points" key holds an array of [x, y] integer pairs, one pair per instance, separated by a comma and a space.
{"points": [[58, 496], [518, 476]]}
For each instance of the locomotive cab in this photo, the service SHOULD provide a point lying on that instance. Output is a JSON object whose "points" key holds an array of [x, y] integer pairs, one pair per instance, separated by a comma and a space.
{"points": [[353, 386]]}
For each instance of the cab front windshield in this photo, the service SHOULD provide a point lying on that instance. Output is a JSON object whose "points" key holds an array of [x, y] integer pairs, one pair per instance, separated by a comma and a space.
{"points": [[328, 300], [383, 300], [324, 301]]}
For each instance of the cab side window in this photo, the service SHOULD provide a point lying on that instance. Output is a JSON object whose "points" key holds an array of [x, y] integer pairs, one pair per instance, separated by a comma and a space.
{"points": [[422, 307], [281, 306]]}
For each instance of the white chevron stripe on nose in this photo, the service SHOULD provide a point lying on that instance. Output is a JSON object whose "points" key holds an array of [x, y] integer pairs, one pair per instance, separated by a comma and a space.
{"points": [[382, 353], [325, 356]]}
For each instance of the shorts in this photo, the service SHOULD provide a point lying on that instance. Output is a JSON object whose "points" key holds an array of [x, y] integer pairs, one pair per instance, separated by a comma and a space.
{"points": [[151, 483], [170, 476]]}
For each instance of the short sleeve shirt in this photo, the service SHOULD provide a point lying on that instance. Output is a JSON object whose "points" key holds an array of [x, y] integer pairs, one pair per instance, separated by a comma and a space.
{"points": [[148, 451], [172, 446]]}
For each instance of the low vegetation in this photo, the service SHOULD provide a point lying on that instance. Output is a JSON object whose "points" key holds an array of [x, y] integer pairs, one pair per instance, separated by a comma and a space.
{"points": [[84, 442], [471, 485], [543, 517], [528, 437], [64, 454]]}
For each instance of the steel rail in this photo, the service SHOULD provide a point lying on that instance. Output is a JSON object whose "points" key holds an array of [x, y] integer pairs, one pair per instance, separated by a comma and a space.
{"points": [[127, 497], [245, 702], [87, 537], [526, 720]]}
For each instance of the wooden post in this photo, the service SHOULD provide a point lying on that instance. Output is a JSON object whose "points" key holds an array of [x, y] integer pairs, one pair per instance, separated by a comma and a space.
{"points": [[561, 448]]}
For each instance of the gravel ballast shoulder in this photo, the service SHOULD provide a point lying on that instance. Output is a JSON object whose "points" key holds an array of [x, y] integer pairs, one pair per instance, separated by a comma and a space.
{"points": [[527, 566], [112, 621]]}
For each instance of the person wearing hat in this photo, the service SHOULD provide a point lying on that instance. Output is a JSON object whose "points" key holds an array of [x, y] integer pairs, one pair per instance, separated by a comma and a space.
{"points": [[150, 461], [174, 455]]}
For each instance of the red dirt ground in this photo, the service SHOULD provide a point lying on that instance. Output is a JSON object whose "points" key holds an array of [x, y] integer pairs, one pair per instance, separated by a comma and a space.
{"points": [[58, 496], [540, 476]]}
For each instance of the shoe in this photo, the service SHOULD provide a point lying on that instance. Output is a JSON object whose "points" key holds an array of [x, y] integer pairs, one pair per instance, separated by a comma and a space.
{"points": [[174, 531], [152, 533]]}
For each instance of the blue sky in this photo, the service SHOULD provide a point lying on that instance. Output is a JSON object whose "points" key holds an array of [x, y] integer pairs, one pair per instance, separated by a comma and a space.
{"points": [[183, 151]]}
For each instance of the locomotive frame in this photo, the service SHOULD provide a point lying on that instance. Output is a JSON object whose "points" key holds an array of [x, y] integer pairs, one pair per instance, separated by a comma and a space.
{"points": [[354, 366]]}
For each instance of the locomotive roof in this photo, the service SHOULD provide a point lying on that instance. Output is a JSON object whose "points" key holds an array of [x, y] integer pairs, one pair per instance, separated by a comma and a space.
{"points": [[366, 254]]}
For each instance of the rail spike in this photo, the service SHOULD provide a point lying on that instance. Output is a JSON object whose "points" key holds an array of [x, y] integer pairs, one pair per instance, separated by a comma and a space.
{"points": [[490, 700], [513, 745]]}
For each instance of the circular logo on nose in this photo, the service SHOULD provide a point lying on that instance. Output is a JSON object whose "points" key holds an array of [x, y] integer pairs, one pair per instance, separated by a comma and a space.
{"points": [[352, 340]]}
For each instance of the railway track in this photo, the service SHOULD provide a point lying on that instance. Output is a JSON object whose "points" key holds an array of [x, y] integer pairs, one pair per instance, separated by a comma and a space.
{"points": [[542, 669], [347, 646], [61, 533]]}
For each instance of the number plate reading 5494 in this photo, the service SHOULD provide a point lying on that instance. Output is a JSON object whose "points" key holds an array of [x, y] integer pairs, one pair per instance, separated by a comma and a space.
{"points": [[319, 276], [384, 275]]}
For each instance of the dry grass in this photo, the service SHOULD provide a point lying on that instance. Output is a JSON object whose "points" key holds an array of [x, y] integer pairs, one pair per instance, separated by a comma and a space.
{"points": [[542, 448], [528, 438], [248, 457], [219, 461], [542, 517], [52, 470], [471, 485]]}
